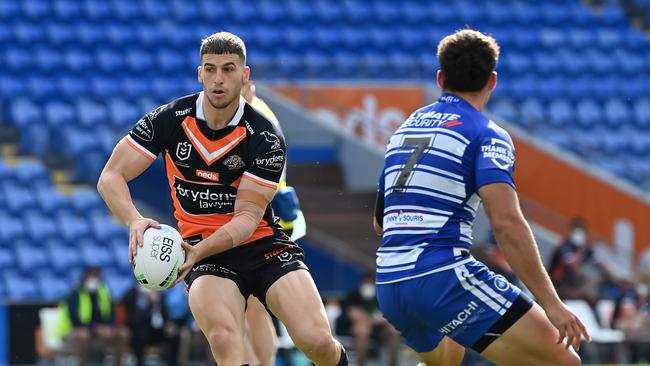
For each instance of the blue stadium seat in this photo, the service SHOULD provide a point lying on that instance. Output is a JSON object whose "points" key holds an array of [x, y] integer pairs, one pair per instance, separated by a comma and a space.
{"points": [[36, 9], [58, 114], [600, 62], [505, 108], [123, 113], [52, 287], [78, 60], [85, 200], [560, 112], [94, 9], [13, 85], [300, 12], [91, 34], [7, 258], [516, 63], [72, 87], [30, 256], [552, 38], [19, 285], [328, 12], [105, 87], [32, 173], [24, 112], [642, 112], [525, 12], [155, 10], [172, 62], [139, 60], [468, 11], [105, 228], [589, 113], [127, 9], [72, 226], [50, 200], [185, 10], [12, 226], [67, 9], [48, 59], [28, 32], [270, 12], [63, 255], [147, 34], [39, 226], [18, 59], [9, 9], [18, 198], [60, 34], [317, 63], [90, 113], [630, 63], [133, 87], [95, 254], [617, 113], [120, 34]]}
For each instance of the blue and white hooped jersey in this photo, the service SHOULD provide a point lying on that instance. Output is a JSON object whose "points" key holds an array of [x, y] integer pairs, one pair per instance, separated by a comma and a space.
{"points": [[434, 165]]}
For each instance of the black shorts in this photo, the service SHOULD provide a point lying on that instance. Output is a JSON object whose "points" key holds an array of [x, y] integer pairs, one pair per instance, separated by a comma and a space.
{"points": [[254, 266]]}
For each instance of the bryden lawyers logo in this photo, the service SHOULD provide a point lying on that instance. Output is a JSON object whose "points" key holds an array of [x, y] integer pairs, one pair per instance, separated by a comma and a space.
{"points": [[234, 162], [273, 139], [144, 129], [272, 161], [183, 150]]}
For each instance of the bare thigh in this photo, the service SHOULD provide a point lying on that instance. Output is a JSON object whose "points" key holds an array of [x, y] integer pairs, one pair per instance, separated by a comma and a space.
{"points": [[448, 353], [218, 308], [530, 341]]}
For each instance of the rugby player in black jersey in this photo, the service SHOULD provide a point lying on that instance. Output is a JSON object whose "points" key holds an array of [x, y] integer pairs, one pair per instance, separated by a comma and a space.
{"points": [[223, 161]]}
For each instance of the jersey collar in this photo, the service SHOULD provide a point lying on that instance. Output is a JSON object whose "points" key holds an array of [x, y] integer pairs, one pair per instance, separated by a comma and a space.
{"points": [[450, 98], [235, 119]]}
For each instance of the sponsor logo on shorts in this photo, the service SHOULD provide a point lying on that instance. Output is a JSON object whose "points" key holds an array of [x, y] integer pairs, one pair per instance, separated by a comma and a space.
{"points": [[501, 283], [272, 161], [213, 176], [204, 198], [234, 162], [276, 252], [460, 318], [183, 150], [500, 152], [144, 129], [208, 267]]}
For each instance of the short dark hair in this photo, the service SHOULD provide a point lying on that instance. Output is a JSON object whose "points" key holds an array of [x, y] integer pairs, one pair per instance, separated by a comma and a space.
{"points": [[223, 43], [467, 58]]}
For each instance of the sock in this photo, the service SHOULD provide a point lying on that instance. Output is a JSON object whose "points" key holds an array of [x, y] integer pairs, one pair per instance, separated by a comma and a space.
{"points": [[343, 360]]}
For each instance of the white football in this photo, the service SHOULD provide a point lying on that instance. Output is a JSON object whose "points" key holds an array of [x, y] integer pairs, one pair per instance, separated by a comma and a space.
{"points": [[156, 264]]}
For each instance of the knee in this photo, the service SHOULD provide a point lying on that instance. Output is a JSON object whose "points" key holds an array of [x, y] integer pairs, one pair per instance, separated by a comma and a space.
{"points": [[569, 359], [223, 339], [320, 341]]}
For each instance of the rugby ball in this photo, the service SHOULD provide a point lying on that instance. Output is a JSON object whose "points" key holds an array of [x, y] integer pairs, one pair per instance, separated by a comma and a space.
{"points": [[156, 263]]}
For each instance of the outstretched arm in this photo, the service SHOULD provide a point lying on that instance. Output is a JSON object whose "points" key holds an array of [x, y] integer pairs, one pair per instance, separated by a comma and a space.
{"points": [[516, 239], [124, 165]]}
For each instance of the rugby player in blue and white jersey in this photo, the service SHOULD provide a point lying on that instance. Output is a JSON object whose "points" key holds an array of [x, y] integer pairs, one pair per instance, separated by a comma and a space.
{"points": [[439, 165]]}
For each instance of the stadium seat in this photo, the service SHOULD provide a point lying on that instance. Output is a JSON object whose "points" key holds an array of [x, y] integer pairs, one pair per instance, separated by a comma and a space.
{"points": [[72, 226], [13, 227], [95, 254], [40, 227], [110, 60], [7, 258], [52, 287], [642, 112], [617, 113], [19, 285], [18, 198], [49, 60], [95, 10], [105, 228], [560, 112], [24, 111], [91, 34], [32, 173], [67, 9], [50, 200], [127, 9], [505, 108], [60, 34], [589, 113], [58, 113], [62, 255], [18, 59], [105, 87], [30, 257], [119, 281], [9, 9]]}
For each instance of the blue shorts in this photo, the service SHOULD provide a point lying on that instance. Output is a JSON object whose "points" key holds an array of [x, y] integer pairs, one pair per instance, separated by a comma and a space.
{"points": [[469, 303]]}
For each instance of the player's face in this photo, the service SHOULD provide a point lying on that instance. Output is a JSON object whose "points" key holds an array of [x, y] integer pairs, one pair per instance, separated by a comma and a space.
{"points": [[223, 77]]}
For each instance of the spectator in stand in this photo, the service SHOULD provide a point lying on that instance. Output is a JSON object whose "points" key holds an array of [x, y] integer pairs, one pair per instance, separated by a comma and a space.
{"points": [[87, 315], [576, 270], [362, 319]]}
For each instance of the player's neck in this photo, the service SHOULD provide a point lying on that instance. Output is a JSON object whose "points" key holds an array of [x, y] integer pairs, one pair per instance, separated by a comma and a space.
{"points": [[477, 100], [218, 118]]}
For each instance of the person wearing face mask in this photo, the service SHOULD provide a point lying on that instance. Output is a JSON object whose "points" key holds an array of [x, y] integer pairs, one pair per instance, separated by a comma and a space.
{"points": [[576, 270], [87, 315], [362, 319]]}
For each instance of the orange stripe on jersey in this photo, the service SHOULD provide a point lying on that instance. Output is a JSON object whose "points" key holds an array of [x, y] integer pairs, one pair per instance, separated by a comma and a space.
{"points": [[260, 181], [147, 154], [211, 150]]}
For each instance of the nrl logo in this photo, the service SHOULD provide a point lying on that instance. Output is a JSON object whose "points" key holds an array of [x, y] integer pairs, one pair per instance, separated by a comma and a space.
{"points": [[183, 150]]}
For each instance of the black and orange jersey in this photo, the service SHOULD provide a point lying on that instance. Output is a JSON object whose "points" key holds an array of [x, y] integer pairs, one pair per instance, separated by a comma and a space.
{"points": [[205, 166]]}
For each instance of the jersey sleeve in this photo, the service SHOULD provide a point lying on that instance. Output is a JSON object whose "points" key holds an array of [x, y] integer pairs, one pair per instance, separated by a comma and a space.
{"points": [[146, 136], [495, 158], [267, 157]]}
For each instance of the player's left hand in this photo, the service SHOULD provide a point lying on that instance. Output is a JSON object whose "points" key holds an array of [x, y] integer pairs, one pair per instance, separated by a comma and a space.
{"points": [[191, 258]]}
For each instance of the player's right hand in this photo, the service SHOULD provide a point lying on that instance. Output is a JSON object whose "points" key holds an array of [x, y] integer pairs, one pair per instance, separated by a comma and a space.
{"points": [[136, 232], [568, 325]]}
